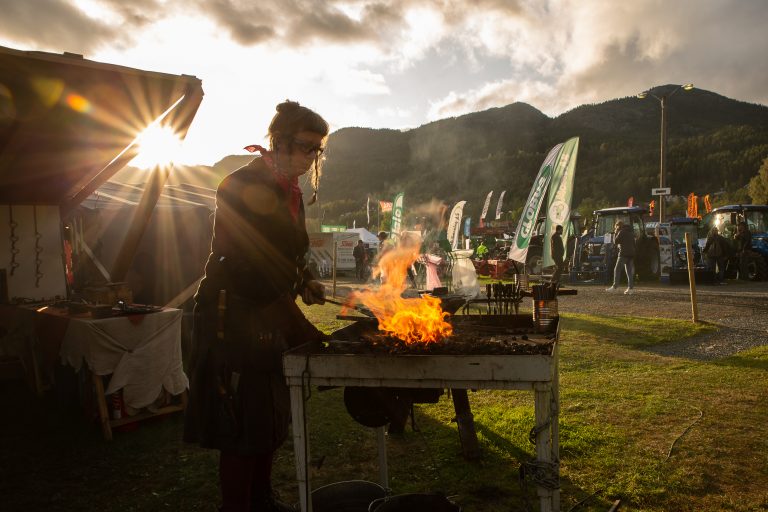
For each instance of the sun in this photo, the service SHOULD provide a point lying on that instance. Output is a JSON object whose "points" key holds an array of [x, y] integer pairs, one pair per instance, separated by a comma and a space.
{"points": [[158, 146]]}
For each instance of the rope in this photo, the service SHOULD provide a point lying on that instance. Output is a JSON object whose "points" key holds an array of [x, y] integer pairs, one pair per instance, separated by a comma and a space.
{"points": [[672, 447]]}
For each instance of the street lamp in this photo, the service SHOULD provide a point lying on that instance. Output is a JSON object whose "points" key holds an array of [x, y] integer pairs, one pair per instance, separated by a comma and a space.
{"points": [[663, 164]]}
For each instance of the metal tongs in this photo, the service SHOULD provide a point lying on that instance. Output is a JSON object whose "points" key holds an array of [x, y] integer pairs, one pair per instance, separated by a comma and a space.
{"points": [[367, 312]]}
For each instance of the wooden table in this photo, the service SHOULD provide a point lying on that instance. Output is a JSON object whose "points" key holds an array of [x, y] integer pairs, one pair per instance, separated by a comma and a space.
{"points": [[140, 355]]}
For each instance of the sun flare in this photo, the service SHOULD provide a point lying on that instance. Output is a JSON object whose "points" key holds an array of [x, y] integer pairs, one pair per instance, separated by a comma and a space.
{"points": [[158, 146]]}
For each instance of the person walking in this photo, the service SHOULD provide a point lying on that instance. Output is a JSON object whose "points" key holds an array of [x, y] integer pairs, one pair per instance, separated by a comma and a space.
{"points": [[557, 251], [715, 250], [246, 314], [743, 239], [624, 240], [360, 255]]}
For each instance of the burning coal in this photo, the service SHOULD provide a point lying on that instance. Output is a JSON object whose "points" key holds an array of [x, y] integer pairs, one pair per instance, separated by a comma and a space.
{"points": [[413, 320]]}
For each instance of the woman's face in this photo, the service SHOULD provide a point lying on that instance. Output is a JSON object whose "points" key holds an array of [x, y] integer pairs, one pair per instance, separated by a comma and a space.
{"points": [[305, 148]]}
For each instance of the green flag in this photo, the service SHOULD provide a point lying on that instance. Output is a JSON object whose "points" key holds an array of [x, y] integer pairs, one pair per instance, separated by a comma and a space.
{"points": [[397, 214], [524, 232], [560, 193]]}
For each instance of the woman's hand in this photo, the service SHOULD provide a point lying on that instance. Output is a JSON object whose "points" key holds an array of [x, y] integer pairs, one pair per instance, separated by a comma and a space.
{"points": [[314, 293]]}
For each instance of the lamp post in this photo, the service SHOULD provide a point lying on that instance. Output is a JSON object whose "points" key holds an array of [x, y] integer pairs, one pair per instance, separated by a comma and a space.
{"points": [[663, 159]]}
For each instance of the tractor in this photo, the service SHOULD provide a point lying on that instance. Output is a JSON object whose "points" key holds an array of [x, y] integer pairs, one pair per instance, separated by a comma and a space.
{"points": [[594, 256], [673, 255], [533, 261], [726, 218]]}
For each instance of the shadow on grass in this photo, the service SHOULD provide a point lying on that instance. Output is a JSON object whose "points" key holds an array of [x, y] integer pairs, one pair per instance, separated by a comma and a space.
{"points": [[430, 459], [743, 362], [54, 458], [634, 332]]}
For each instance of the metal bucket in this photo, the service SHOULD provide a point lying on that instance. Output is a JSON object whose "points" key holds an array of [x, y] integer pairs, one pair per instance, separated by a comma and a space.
{"points": [[414, 503], [544, 314], [348, 496]]}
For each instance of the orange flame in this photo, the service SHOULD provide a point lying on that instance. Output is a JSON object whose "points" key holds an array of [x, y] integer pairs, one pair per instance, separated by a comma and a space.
{"points": [[413, 320]]}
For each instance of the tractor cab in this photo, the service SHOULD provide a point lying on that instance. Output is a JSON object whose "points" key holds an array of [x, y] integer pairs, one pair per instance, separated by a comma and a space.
{"points": [[726, 219], [594, 255], [533, 263], [673, 255]]}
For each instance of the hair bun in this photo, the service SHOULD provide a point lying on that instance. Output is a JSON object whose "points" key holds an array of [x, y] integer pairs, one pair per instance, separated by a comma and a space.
{"points": [[287, 106]]}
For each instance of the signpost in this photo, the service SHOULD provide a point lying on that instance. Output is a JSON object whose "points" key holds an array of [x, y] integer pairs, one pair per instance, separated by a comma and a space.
{"points": [[661, 191]]}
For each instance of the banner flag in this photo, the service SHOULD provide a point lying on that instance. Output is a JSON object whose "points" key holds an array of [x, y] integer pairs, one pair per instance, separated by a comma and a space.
{"points": [[707, 204], [692, 211], [560, 194], [454, 224], [397, 214], [519, 249], [368, 211], [386, 206], [498, 205], [651, 207], [468, 227], [485, 207]]}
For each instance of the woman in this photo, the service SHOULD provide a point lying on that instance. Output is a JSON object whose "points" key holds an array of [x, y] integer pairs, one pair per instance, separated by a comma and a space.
{"points": [[246, 315]]}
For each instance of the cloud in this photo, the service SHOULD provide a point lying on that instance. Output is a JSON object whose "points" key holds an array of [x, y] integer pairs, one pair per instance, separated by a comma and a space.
{"points": [[585, 51], [52, 24]]}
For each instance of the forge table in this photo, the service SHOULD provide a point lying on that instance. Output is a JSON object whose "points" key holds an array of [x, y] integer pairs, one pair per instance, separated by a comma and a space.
{"points": [[308, 365]]}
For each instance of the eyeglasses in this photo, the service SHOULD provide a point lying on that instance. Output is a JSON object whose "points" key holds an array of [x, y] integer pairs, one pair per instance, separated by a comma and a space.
{"points": [[307, 148]]}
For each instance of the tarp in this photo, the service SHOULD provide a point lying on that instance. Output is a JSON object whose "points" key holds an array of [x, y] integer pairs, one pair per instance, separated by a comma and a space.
{"points": [[366, 236]]}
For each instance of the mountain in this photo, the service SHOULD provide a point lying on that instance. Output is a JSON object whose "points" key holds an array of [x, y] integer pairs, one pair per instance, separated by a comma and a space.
{"points": [[714, 143]]}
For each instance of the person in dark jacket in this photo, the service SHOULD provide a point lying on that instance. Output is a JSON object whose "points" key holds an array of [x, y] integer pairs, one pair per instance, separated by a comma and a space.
{"points": [[624, 240], [246, 314], [558, 252], [360, 255], [716, 252], [743, 239]]}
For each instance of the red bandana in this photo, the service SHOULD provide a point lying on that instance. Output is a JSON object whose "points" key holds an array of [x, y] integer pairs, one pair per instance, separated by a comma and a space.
{"points": [[289, 185]]}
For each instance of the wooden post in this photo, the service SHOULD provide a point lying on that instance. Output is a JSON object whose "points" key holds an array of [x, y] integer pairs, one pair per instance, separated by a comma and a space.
{"points": [[139, 223], [333, 271], [101, 403], [691, 278], [465, 423]]}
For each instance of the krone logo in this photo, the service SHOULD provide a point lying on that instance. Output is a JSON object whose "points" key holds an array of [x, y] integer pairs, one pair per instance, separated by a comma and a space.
{"points": [[558, 212]]}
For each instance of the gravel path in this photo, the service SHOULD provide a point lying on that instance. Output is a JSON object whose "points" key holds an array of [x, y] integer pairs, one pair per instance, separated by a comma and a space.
{"points": [[740, 308]]}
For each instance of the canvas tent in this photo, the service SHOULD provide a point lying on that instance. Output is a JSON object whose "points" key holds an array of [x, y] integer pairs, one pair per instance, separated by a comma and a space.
{"points": [[366, 236]]}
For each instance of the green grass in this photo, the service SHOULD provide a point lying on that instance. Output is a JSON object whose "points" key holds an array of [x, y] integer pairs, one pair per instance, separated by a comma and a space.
{"points": [[622, 408]]}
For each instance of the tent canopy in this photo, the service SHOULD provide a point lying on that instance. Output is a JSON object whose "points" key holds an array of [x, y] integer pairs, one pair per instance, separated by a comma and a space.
{"points": [[366, 236]]}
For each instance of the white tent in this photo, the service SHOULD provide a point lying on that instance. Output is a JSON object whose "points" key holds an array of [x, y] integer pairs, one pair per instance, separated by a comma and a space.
{"points": [[366, 236]]}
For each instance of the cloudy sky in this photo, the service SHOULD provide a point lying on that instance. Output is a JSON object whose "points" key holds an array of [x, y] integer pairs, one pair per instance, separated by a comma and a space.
{"points": [[402, 63]]}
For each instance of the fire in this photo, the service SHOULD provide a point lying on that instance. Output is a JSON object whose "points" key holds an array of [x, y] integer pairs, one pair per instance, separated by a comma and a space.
{"points": [[413, 320]]}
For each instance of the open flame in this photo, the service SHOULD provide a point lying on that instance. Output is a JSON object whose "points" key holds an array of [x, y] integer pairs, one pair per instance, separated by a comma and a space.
{"points": [[413, 320]]}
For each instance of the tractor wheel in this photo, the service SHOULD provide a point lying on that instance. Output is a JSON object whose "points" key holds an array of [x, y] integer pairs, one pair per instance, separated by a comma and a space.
{"points": [[756, 267], [534, 262]]}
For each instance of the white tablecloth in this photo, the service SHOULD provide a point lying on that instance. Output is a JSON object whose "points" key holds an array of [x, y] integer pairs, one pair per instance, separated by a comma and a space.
{"points": [[141, 352]]}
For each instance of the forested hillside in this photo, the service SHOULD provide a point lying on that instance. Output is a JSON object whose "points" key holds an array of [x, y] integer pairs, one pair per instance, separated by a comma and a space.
{"points": [[715, 144]]}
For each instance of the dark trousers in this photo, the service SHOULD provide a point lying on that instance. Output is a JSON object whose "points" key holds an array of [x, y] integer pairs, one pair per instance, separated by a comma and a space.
{"points": [[717, 265], [245, 481], [558, 271], [360, 268]]}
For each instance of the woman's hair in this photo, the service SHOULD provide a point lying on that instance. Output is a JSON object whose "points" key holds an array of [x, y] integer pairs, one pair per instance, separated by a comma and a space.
{"points": [[290, 119]]}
